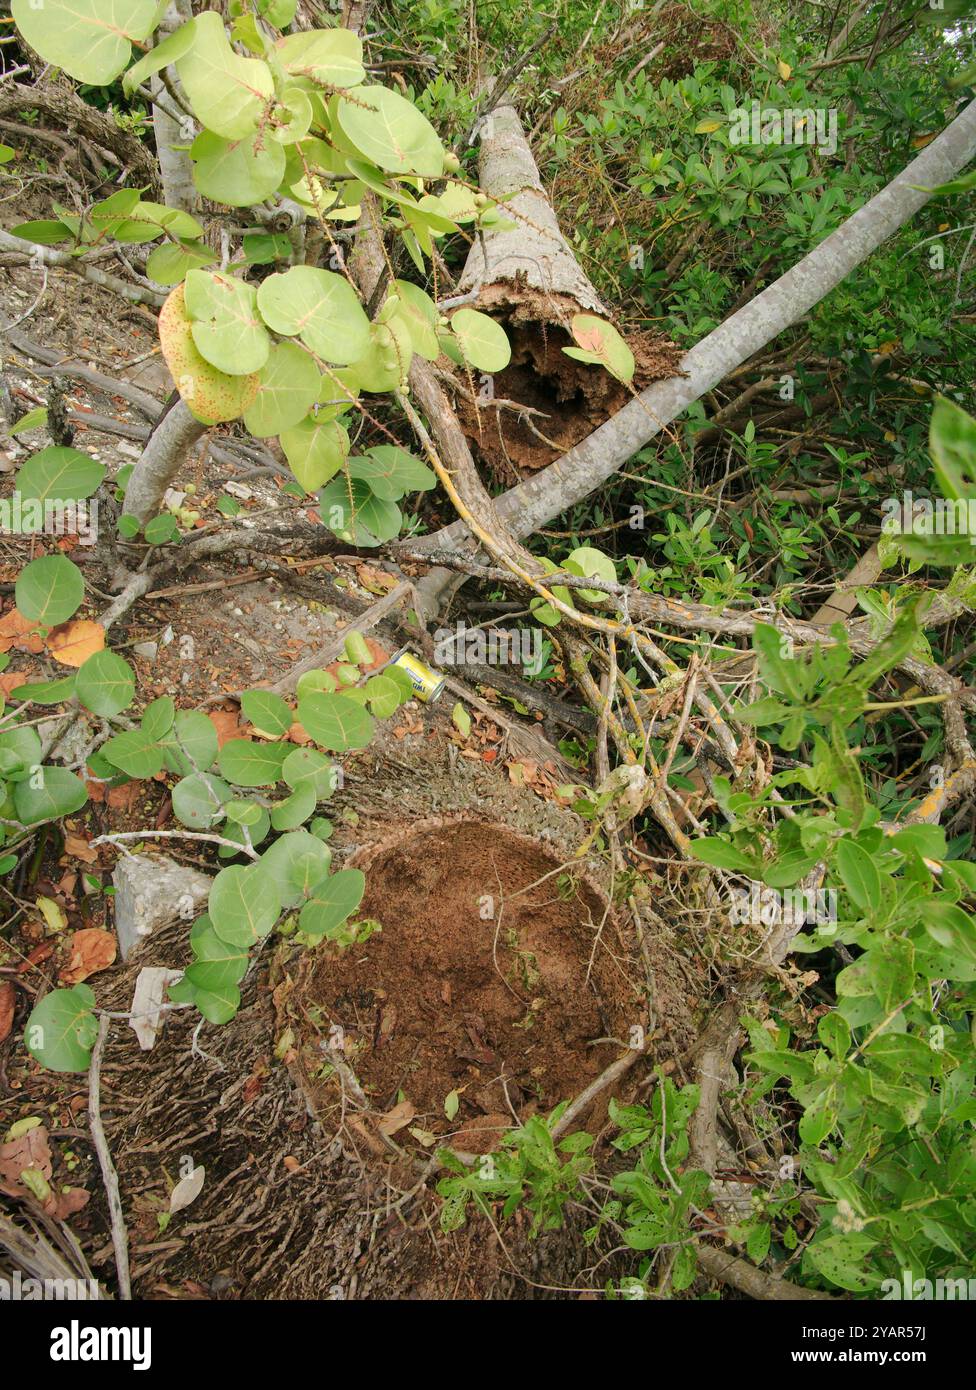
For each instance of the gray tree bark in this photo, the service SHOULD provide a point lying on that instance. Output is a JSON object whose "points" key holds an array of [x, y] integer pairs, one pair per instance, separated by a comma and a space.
{"points": [[166, 449], [175, 165], [501, 265]]}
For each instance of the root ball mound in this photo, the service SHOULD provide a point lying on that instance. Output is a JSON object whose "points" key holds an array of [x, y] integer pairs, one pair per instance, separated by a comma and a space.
{"points": [[497, 979]]}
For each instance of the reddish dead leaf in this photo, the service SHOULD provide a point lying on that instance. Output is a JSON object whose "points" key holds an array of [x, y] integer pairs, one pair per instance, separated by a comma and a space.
{"points": [[227, 724], [252, 1086], [396, 1119], [589, 339], [8, 1000], [69, 1201], [18, 631], [297, 734], [376, 581], [122, 798], [489, 755], [39, 953], [31, 1150], [91, 950], [79, 848], [66, 886], [11, 680], [73, 643]]}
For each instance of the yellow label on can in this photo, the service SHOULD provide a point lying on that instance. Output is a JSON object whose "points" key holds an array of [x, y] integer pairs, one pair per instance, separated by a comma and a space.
{"points": [[427, 684]]}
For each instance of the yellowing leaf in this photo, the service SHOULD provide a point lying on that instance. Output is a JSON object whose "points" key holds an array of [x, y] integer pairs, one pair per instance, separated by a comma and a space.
{"points": [[708, 127], [784, 69], [461, 720], [53, 915], [73, 643]]}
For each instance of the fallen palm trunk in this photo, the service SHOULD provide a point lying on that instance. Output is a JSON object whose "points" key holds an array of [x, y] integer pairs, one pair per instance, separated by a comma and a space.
{"points": [[528, 278], [590, 463]]}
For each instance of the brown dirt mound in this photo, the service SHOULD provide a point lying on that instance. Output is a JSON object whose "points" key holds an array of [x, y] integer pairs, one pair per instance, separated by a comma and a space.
{"points": [[494, 977]]}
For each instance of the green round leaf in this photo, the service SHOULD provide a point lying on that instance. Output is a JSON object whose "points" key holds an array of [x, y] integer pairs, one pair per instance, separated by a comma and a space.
{"points": [[389, 130], [383, 696], [224, 322], [136, 752], [244, 905], [217, 998], [307, 766], [49, 590], [315, 449], [595, 565], [59, 475], [318, 306], [20, 749], [47, 692], [157, 718], [329, 57], [267, 711], [228, 93], [252, 764], [366, 519], [336, 722], [168, 264], [483, 342], [198, 800], [295, 809], [105, 683], [335, 899], [289, 387], [391, 472], [246, 834], [164, 53], [90, 39], [48, 794], [190, 744], [62, 1029], [238, 173], [297, 861]]}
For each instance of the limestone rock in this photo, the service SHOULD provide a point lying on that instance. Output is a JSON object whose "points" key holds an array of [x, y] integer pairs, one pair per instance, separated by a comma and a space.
{"points": [[152, 890]]}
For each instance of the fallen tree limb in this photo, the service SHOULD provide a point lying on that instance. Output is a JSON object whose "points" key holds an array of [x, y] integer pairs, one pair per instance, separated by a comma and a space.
{"points": [[753, 1282], [536, 501], [47, 255]]}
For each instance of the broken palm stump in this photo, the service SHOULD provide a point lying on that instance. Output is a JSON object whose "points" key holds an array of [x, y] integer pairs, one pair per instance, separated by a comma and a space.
{"points": [[507, 1003], [528, 279]]}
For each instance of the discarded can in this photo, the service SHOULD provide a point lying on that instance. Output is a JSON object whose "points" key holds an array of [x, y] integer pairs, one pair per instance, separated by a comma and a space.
{"points": [[427, 684]]}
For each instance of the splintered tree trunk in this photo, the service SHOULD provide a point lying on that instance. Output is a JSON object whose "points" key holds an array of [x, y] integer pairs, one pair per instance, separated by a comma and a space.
{"points": [[528, 278], [531, 271]]}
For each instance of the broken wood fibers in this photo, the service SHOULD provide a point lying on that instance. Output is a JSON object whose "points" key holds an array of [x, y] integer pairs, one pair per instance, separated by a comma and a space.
{"points": [[528, 279]]}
